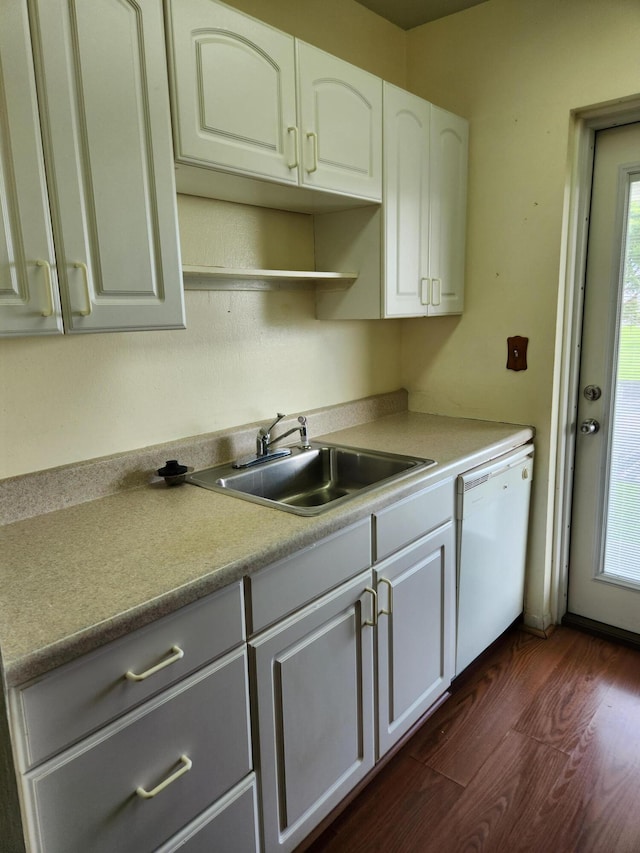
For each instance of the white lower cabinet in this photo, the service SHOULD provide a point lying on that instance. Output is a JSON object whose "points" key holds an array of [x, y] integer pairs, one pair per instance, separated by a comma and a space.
{"points": [[352, 641], [314, 680], [415, 583], [416, 630], [341, 679], [175, 771]]}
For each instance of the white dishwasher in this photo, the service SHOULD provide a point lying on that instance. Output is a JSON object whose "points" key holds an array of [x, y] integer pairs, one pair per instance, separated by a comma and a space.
{"points": [[492, 512]]}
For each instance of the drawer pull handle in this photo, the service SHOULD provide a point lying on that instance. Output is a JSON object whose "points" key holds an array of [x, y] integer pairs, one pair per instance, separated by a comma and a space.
{"points": [[176, 654], [388, 612], [187, 764], [374, 608]]}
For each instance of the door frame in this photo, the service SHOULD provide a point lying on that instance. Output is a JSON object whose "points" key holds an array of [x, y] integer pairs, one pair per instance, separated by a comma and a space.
{"points": [[584, 123]]}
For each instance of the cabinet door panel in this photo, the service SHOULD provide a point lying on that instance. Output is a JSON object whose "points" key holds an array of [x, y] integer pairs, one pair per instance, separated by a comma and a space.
{"points": [[315, 711], [406, 181], [233, 91], [108, 129], [29, 302], [449, 144], [340, 109], [415, 632]]}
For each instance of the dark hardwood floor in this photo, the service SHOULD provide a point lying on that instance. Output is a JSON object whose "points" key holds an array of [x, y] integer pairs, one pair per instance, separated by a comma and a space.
{"points": [[537, 750]]}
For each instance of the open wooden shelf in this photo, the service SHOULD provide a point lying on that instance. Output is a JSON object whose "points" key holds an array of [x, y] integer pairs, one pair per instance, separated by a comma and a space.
{"points": [[224, 278]]}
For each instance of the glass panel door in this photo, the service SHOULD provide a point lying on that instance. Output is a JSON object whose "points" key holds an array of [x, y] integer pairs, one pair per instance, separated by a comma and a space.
{"points": [[622, 540]]}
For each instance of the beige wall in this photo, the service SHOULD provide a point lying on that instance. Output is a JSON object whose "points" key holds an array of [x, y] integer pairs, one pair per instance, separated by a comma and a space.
{"points": [[244, 356], [515, 69]]}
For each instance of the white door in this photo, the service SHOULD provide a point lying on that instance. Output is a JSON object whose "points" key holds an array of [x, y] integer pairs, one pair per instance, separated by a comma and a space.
{"points": [[604, 571], [340, 112]]}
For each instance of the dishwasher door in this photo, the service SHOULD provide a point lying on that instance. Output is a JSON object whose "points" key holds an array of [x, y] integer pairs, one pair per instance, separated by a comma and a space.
{"points": [[492, 512]]}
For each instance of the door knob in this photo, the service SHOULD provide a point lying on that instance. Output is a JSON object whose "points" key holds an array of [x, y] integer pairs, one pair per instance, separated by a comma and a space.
{"points": [[589, 427]]}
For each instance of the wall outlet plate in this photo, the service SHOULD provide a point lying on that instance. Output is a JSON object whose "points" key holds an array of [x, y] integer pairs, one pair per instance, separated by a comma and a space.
{"points": [[517, 353]]}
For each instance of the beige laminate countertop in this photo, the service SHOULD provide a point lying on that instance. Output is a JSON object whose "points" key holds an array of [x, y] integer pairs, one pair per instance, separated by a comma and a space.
{"points": [[79, 577]]}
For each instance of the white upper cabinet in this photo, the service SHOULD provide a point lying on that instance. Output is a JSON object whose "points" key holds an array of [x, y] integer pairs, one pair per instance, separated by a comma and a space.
{"points": [[406, 208], [448, 205], [29, 302], [340, 114], [250, 101], [234, 91], [410, 255], [425, 183], [104, 113]]}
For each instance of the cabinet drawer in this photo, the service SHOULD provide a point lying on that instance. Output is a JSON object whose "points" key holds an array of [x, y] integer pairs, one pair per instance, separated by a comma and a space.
{"points": [[407, 520], [289, 584], [79, 697], [89, 798], [230, 825]]}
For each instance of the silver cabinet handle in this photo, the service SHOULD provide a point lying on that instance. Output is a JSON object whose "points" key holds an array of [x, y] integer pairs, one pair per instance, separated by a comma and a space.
{"points": [[293, 161], [79, 265], [436, 291], [176, 654], [49, 287], [314, 149], [374, 608], [187, 764], [388, 612]]}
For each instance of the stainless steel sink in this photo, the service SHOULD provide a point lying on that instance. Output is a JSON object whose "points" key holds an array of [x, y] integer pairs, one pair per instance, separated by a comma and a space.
{"points": [[310, 481]]}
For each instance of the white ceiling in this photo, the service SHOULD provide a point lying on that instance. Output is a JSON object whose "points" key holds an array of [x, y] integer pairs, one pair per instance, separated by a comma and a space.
{"points": [[412, 13]]}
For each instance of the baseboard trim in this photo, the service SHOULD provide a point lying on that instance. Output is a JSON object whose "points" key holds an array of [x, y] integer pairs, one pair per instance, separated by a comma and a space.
{"points": [[600, 629], [537, 632]]}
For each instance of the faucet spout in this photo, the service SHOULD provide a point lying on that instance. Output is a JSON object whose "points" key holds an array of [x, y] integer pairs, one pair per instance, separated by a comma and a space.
{"points": [[263, 439], [264, 443]]}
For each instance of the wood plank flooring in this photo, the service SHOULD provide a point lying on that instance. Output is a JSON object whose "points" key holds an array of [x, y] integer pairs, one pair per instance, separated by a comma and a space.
{"points": [[536, 751]]}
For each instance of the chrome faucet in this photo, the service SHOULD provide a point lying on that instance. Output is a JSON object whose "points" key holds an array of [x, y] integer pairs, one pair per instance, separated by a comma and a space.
{"points": [[264, 442]]}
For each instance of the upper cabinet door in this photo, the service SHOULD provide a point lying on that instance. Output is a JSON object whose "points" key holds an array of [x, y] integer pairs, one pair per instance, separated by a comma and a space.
{"points": [[233, 89], [29, 303], [406, 202], [340, 112], [104, 98], [449, 156]]}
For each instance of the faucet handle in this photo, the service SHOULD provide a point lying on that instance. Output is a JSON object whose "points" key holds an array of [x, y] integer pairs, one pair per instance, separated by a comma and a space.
{"points": [[267, 430]]}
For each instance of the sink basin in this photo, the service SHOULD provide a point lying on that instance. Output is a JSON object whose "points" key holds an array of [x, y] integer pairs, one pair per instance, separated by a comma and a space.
{"points": [[310, 481]]}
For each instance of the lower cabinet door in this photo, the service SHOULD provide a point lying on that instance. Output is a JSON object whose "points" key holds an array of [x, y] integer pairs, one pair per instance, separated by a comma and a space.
{"points": [[133, 785], [314, 675], [416, 632]]}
